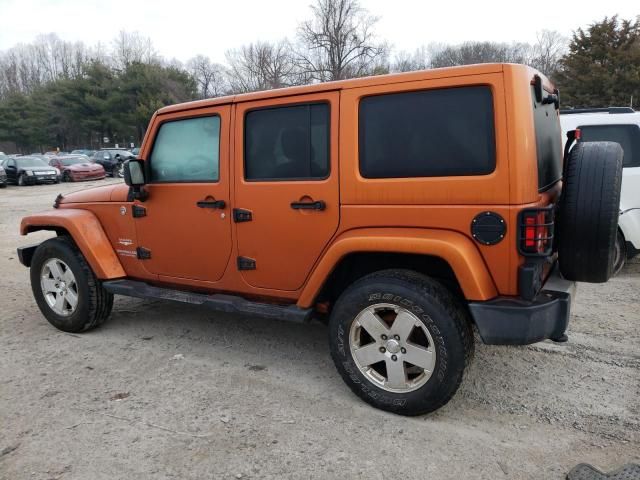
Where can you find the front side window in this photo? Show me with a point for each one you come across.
(628, 136)
(287, 143)
(429, 133)
(187, 151)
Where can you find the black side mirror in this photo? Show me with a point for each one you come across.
(134, 177)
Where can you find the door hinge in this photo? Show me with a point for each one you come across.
(143, 253)
(246, 263)
(241, 215)
(137, 211)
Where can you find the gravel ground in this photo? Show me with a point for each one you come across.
(171, 391)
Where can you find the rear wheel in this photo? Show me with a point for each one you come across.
(620, 253)
(588, 211)
(401, 341)
(66, 289)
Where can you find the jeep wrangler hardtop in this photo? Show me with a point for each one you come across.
(404, 209)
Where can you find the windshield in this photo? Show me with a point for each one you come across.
(30, 162)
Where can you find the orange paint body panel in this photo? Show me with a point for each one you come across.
(88, 234)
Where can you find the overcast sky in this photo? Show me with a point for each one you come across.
(183, 28)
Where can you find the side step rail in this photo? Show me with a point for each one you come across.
(217, 301)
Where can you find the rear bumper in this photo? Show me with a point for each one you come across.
(514, 321)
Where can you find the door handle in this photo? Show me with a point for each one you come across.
(211, 204)
(317, 205)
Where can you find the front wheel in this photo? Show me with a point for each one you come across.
(21, 181)
(65, 288)
(66, 177)
(118, 170)
(401, 341)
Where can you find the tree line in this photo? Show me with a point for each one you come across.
(55, 93)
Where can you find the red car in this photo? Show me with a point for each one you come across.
(75, 168)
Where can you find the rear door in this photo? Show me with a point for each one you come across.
(186, 228)
(286, 161)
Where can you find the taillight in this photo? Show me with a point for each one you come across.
(535, 231)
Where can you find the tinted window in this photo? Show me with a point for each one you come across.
(187, 151)
(428, 133)
(287, 143)
(548, 143)
(628, 136)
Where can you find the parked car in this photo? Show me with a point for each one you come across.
(75, 168)
(112, 160)
(3, 175)
(135, 151)
(621, 125)
(29, 171)
(429, 213)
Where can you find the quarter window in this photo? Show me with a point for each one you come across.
(628, 136)
(430, 133)
(187, 151)
(287, 143)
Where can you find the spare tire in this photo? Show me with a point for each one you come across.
(588, 211)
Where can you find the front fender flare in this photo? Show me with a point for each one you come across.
(456, 249)
(86, 231)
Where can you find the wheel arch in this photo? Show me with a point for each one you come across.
(84, 228)
(446, 255)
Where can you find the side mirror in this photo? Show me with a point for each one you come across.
(134, 177)
(134, 173)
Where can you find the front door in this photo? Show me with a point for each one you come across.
(186, 229)
(286, 160)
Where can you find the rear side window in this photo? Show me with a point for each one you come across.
(628, 136)
(548, 143)
(430, 133)
(187, 151)
(287, 143)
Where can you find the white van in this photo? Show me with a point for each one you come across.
(621, 125)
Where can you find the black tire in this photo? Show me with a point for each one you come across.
(118, 170)
(620, 253)
(588, 211)
(432, 304)
(66, 177)
(3, 185)
(21, 182)
(94, 302)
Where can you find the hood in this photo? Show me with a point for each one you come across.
(83, 167)
(108, 193)
(39, 168)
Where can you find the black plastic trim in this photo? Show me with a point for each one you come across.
(143, 253)
(219, 302)
(246, 263)
(241, 215)
(138, 211)
(25, 254)
(513, 321)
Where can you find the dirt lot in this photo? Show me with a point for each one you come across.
(171, 391)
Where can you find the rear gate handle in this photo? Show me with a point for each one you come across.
(317, 205)
(211, 204)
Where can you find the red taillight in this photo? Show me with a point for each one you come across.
(578, 134)
(536, 232)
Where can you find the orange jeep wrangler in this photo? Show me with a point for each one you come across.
(406, 209)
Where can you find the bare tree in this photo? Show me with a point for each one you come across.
(210, 77)
(409, 62)
(338, 41)
(480, 52)
(549, 48)
(131, 47)
(262, 66)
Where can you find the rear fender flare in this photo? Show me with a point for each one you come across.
(455, 248)
(87, 232)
